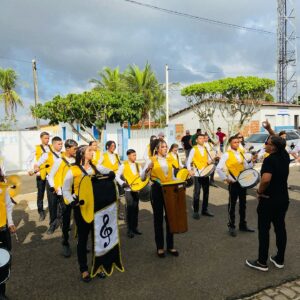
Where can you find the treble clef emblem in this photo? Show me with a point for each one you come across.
(105, 231)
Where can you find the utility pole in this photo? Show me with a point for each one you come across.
(167, 95)
(35, 89)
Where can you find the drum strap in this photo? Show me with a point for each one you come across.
(66, 162)
(232, 175)
(137, 168)
(83, 170)
(118, 159)
(57, 156)
(43, 149)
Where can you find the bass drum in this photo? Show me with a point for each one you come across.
(248, 178)
(4, 265)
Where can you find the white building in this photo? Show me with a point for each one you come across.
(281, 116)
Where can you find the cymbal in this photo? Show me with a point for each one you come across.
(14, 183)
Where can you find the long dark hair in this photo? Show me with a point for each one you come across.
(155, 145)
(173, 146)
(2, 177)
(80, 160)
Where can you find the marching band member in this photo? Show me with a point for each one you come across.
(128, 172)
(34, 156)
(147, 154)
(217, 154)
(48, 159)
(234, 161)
(55, 180)
(174, 158)
(7, 226)
(70, 189)
(97, 153)
(198, 159)
(160, 170)
(111, 160)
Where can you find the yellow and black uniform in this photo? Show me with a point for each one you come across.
(161, 172)
(131, 173)
(199, 159)
(55, 179)
(110, 161)
(70, 191)
(234, 162)
(49, 159)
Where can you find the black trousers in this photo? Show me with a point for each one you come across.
(53, 200)
(83, 230)
(201, 182)
(236, 192)
(132, 209)
(270, 211)
(41, 186)
(157, 201)
(5, 242)
(66, 223)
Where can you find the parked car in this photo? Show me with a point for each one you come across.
(257, 140)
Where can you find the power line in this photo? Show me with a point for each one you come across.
(202, 19)
(15, 59)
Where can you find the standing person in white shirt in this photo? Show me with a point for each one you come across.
(34, 156)
(197, 161)
(49, 158)
(55, 179)
(129, 172)
(231, 164)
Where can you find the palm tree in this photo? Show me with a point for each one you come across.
(10, 98)
(145, 82)
(111, 79)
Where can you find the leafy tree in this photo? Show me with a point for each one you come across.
(110, 79)
(237, 99)
(8, 95)
(92, 108)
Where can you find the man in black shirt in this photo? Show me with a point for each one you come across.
(273, 203)
(185, 141)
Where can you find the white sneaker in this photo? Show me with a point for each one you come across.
(276, 264)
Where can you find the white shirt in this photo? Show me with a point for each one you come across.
(190, 160)
(68, 181)
(163, 164)
(2, 167)
(121, 172)
(31, 158)
(54, 170)
(45, 156)
(221, 167)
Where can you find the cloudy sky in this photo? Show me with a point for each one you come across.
(73, 39)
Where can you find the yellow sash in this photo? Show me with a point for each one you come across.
(174, 161)
(158, 173)
(233, 165)
(96, 158)
(3, 216)
(107, 163)
(128, 174)
(38, 153)
(199, 160)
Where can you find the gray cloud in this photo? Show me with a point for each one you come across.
(73, 39)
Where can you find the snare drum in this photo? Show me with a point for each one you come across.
(248, 178)
(4, 265)
(207, 171)
(175, 204)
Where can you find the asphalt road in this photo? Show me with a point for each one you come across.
(210, 265)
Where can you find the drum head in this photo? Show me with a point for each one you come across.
(86, 194)
(4, 257)
(248, 178)
(183, 174)
(173, 182)
(138, 184)
(207, 170)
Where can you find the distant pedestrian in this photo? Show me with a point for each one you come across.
(185, 141)
(221, 136)
(273, 202)
(194, 137)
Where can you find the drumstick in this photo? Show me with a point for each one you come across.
(46, 166)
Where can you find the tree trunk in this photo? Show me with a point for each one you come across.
(78, 133)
